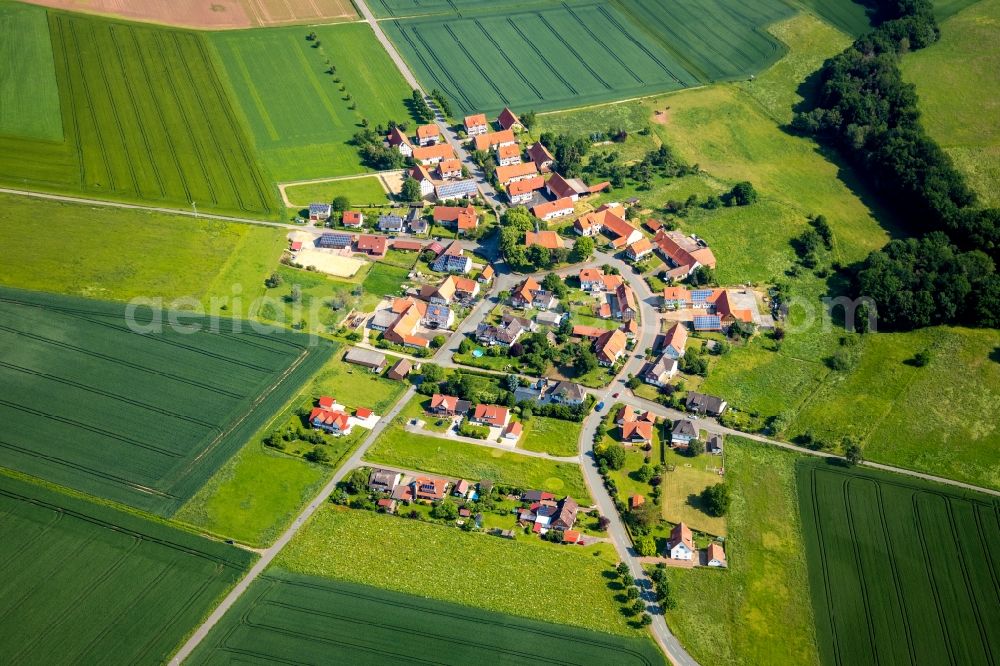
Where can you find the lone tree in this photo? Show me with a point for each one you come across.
(341, 203)
(852, 452)
(716, 499)
(411, 190)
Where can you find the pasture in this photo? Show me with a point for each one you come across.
(359, 191)
(325, 301)
(479, 570)
(958, 87)
(553, 436)
(117, 254)
(145, 118)
(291, 617)
(382, 280)
(29, 93)
(437, 455)
(301, 116)
(901, 570)
(97, 399)
(758, 610)
(539, 57)
(90, 583)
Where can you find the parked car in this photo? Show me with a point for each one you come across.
(599, 406)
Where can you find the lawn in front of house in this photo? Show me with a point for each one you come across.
(682, 485)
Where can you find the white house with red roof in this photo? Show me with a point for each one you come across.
(428, 135)
(681, 544)
(491, 415)
(352, 218)
(398, 140)
(508, 120)
(476, 124)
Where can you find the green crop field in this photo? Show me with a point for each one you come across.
(480, 570)
(300, 118)
(91, 584)
(145, 118)
(286, 617)
(29, 93)
(901, 571)
(455, 458)
(958, 84)
(98, 400)
(117, 254)
(541, 57)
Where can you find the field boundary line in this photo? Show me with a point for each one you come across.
(623, 101)
(13, 556)
(821, 540)
(929, 572)
(896, 583)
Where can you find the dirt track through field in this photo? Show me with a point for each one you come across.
(213, 14)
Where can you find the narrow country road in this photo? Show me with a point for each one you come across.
(268, 555)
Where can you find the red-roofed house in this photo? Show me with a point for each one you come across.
(637, 432)
(559, 187)
(352, 218)
(640, 249)
(513, 431)
(541, 156)
(433, 154)
(610, 346)
(590, 332)
(524, 294)
(400, 142)
(492, 415)
(507, 155)
(675, 341)
(723, 307)
(476, 124)
(492, 140)
(509, 121)
(448, 169)
(333, 422)
(522, 191)
(682, 252)
(681, 544)
(428, 135)
(326, 402)
(715, 555)
(373, 245)
(551, 210)
(591, 279)
(447, 405)
(625, 302)
(676, 298)
(506, 175)
(427, 488)
(550, 240)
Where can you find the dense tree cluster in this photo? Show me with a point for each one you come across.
(370, 143)
(864, 107)
(655, 163)
(513, 225)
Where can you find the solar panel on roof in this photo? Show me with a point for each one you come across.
(700, 294)
(707, 322)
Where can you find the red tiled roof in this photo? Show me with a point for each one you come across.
(676, 337)
(413, 246)
(547, 239)
(362, 412)
(441, 150)
(507, 173)
(475, 120)
(351, 217)
(490, 139)
(492, 414)
(505, 152)
(326, 402)
(428, 131)
(451, 213)
(637, 429)
(507, 119)
(372, 244)
(582, 331)
(681, 533)
(543, 209)
(525, 186)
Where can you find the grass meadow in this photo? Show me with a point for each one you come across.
(758, 610)
(553, 436)
(145, 118)
(900, 570)
(499, 575)
(360, 192)
(90, 583)
(29, 92)
(291, 617)
(448, 457)
(254, 496)
(142, 419)
(959, 87)
(298, 114)
(115, 254)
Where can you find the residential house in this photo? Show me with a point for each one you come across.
(620, 232)
(438, 315)
(331, 421)
(429, 155)
(429, 488)
(635, 501)
(588, 332)
(403, 330)
(630, 328)
(625, 306)
(587, 225)
(660, 372)
(541, 156)
(566, 393)
(401, 370)
(448, 405)
(523, 191)
(334, 241)
(523, 294)
(505, 333)
(449, 169)
(428, 135)
(420, 174)
(610, 347)
(550, 240)
(721, 304)
(552, 210)
(715, 555)
(453, 260)
(705, 404)
(513, 431)
(509, 121)
(492, 140)
(681, 434)
(390, 223)
(461, 488)
(374, 361)
(319, 212)
(573, 188)
(491, 415)
(476, 124)
(591, 279)
(505, 175)
(543, 299)
(682, 253)
(675, 341)
(383, 480)
(714, 445)
(352, 218)
(455, 288)
(572, 536)
(508, 155)
(639, 250)
(637, 432)
(681, 544)
(372, 245)
(549, 318)
(407, 245)
(398, 140)
(676, 298)
(386, 505)
(461, 219)
(565, 516)
(403, 493)
(456, 189)
(487, 274)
